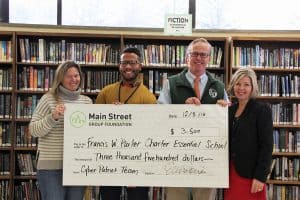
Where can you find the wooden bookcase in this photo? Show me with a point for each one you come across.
(34, 58)
(276, 62)
(100, 72)
(7, 56)
(37, 57)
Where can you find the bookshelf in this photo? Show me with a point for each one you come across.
(276, 62)
(25, 74)
(37, 57)
(28, 73)
(6, 118)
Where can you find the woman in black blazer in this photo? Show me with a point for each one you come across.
(251, 139)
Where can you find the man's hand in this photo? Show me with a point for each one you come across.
(193, 100)
(117, 103)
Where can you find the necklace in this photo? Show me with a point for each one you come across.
(126, 100)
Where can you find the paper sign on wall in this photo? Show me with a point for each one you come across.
(178, 24)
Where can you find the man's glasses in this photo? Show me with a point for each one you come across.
(129, 62)
(201, 54)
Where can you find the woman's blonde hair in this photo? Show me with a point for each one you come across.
(238, 75)
(59, 76)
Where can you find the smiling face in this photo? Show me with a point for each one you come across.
(243, 89)
(198, 58)
(71, 80)
(130, 67)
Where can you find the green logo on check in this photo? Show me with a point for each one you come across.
(77, 119)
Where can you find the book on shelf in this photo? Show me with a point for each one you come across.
(285, 113)
(286, 169)
(215, 57)
(27, 190)
(164, 55)
(26, 106)
(5, 163)
(271, 168)
(286, 192)
(26, 164)
(286, 140)
(43, 51)
(259, 57)
(27, 50)
(5, 78)
(4, 189)
(1, 79)
(5, 51)
(5, 134)
(24, 138)
(5, 106)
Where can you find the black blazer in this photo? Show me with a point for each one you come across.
(251, 140)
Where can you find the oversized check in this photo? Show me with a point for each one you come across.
(146, 145)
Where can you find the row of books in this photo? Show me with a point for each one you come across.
(26, 105)
(4, 189)
(283, 192)
(5, 106)
(285, 168)
(279, 85)
(259, 57)
(24, 138)
(285, 113)
(286, 140)
(4, 163)
(43, 51)
(6, 78)
(94, 81)
(32, 78)
(5, 51)
(26, 164)
(155, 193)
(155, 80)
(5, 134)
(35, 78)
(165, 55)
(27, 190)
(92, 193)
(40, 79)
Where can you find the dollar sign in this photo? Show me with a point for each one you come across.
(172, 131)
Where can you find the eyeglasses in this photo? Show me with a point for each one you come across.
(129, 62)
(201, 54)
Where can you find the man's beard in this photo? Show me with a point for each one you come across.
(130, 79)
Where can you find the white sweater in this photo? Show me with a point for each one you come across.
(50, 133)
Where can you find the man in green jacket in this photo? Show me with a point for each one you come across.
(193, 85)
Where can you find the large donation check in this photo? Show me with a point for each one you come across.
(146, 145)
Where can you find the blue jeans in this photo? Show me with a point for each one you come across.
(50, 185)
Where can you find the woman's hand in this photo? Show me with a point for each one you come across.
(58, 111)
(257, 186)
(223, 103)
